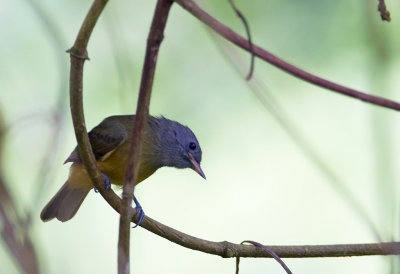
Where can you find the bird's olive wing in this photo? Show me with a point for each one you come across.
(104, 138)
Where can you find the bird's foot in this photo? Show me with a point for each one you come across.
(107, 183)
(139, 212)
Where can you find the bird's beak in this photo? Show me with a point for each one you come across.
(196, 166)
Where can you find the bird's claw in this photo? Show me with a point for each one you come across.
(139, 212)
(107, 183)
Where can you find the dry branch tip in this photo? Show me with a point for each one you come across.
(385, 14)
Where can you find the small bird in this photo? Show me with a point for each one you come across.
(165, 143)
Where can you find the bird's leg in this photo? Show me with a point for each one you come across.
(139, 211)
(107, 183)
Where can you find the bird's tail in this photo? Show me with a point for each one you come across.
(65, 203)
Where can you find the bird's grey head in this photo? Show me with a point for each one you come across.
(179, 146)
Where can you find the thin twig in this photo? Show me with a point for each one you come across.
(248, 33)
(154, 40)
(268, 250)
(240, 41)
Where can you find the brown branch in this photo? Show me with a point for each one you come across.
(385, 14)
(261, 53)
(78, 55)
(154, 40)
(230, 250)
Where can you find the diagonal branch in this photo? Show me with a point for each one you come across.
(154, 40)
(261, 53)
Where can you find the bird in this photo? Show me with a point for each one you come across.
(165, 143)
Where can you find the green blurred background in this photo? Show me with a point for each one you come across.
(261, 184)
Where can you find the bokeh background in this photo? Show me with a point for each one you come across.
(287, 163)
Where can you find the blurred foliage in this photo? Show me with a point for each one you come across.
(259, 184)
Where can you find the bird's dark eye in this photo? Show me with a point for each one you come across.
(192, 146)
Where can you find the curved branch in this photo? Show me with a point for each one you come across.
(227, 249)
(224, 249)
(230, 250)
(78, 55)
(241, 42)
